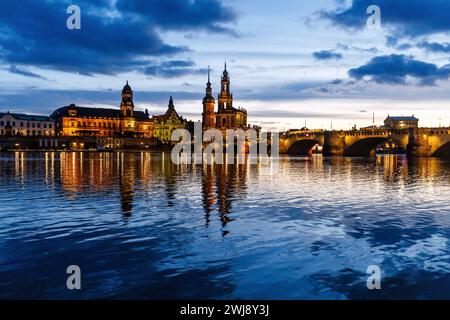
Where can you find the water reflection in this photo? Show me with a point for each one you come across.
(143, 227)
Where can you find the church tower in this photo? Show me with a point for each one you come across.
(127, 105)
(208, 106)
(225, 97)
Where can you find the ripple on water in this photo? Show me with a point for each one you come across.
(140, 227)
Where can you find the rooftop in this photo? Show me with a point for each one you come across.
(95, 112)
(26, 117)
(402, 118)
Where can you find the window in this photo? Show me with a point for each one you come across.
(21, 124)
(38, 125)
(28, 124)
(8, 123)
(2, 123)
(50, 125)
(45, 126)
(14, 124)
(33, 125)
(2, 131)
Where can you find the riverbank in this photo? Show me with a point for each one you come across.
(104, 144)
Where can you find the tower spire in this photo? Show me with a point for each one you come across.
(209, 75)
(225, 72)
(208, 84)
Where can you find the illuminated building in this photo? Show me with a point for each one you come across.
(75, 121)
(401, 122)
(165, 124)
(227, 116)
(14, 124)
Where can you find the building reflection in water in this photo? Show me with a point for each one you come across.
(220, 186)
(169, 172)
(401, 168)
(208, 192)
(99, 173)
(127, 181)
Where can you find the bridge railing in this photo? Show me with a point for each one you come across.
(364, 132)
(432, 131)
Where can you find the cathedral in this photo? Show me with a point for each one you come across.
(227, 116)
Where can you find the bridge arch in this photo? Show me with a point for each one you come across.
(366, 147)
(302, 147)
(443, 151)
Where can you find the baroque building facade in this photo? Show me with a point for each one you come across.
(24, 125)
(165, 124)
(75, 121)
(227, 116)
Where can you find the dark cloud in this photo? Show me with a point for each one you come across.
(34, 33)
(435, 47)
(336, 82)
(394, 42)
(209, 15)
(173, 69)
(300, 86)
(394, 69)
(23, 72)
(327, 55)
(406, 18)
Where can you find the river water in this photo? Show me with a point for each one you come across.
(140, 227)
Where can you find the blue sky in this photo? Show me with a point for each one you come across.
(290, 61)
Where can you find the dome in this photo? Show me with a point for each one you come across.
(225, 72)
(127, 88)
(209, 99)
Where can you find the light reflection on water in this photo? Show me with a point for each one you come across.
(141, 227)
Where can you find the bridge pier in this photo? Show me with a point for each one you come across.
(334, 144)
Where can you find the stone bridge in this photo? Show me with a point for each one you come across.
(362, 143)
